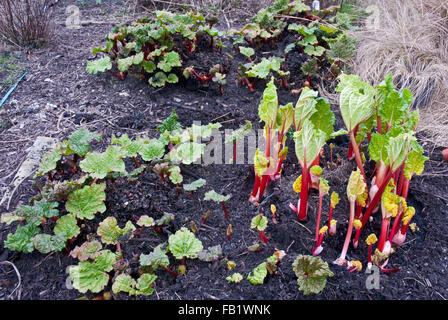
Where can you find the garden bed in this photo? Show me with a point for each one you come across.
(58, 96)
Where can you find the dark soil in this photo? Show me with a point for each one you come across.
(58, 96)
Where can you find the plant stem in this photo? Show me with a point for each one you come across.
(304, 195)
(357, 154)
(330, 216)
(234, 152)
(349, 231)
(225, 210)
(384, 229)
(318, 217)
(175, 274)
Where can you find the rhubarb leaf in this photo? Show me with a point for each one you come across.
(79, 141)
(86, 202)
(88, 250)
(184, 244)
(308, 142)
(240, 133)
(356, 100)
(312, 273)
(398, 150)
(305, 107)
(124, 283)
(49, 161)
(257, 275)
(187, 152)
(99, 65)
(259, 222)
(195, 185)
(262, 69)
(323, 118)
(145, 284)
(267, 110)
(212, 195)
(175, 175)
(21, 240)
(166, 218)
(155, 149)
(157, 258)
(246, 51)
(46, 243)
(356, 188)
(34, 214)
(111, 233)
(415, 164)
(67, 227)
(130, 148)
(169, 60)
(146, 221)
(235, 278)
(94, 275)
(100, 164)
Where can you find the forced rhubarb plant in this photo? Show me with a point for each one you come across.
(260, 222)
(312, 273)
(356, 193)
(212, 195)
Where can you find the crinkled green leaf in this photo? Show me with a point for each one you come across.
(125, 283)
(235, 278)
(187, 152)
(305, 107)
(34, 214)
(259, 222)
(268, 108)
(100, 164)
(157, 258)
(247, 51)
(398, 149)
(21, 240)
(184, 244)
(175, 175)
(309, 68)
(145, 221)
(415, 164)
(86, 202)
(111, 233)
(46, 243)
(195, 185)
(170, 124)
(49, 161)
(262, 69)
(166, 218)
(99, 65)
(312, 273)
(169, 60)
(257, 275)
(67, 226)
(145, 284)
(94, 275)
(323, 118)
(79, 141)
(88, 250)
(130, 148)
(154, 149)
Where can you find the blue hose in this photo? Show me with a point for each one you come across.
(12, 89)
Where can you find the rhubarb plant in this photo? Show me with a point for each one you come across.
(259, 223)
(183, 244)
(143, 286)
(212, 195)
(259, 273)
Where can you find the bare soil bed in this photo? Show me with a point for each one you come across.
(58, 96)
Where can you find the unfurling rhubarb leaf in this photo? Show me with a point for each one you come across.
(415, 163)
(211, 254)
(157, 258)
(257, 275)
(170, 124)
(356, 102)
(130, 148)
(67, 227)
(146, 221)
(334, 199)
(143, 286)
(99, 65)
(214, 196)
(94, 275)
(175, 175)
(259, 222)
(247, 51)
(312, 273)
(88, 250)
(34, 214)
(86, 202)
(398, 150)
(309, 142)
(235, 278)
(357, 188)
(100, 164)
(124, 64)
(195, 185)
(166, 218)
(111, 233)
(323, 118)
(187, 152)
(21, 240)
(154, 149)
(184, 244)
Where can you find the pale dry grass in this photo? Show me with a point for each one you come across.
(410, 39)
